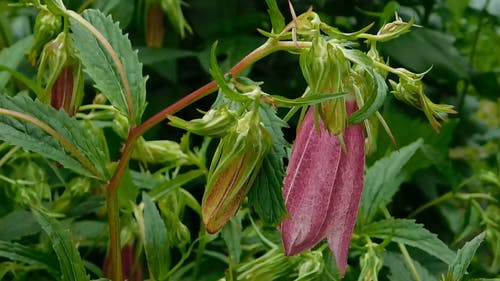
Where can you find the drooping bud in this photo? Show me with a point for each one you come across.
(215, 123)
(47, 26)
(154, 26)
(234, 167)
(322, 188)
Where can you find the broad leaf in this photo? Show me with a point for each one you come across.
(412, 234)
(383, 179)
(464, 257)
(155, 240)
(99, 65)
(265, 195)
(19, 253)
(11, 229)
(11, 57)
(70, 262)
(80, 152)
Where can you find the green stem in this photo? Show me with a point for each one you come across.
(113, 211)
(404, 251)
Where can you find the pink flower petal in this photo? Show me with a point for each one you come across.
(347, 189)
(308, 186)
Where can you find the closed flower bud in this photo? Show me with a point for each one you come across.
(322, 188)
(47, 26)
(233, 169)
(154, 26)
(215, 123)
(159, 151)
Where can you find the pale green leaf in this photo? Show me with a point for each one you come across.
(265, 195)
(27, 255)
(10, 229)
(28, 136)
(231, 233)
(399, 268)
(155, 240)
(70, 262)
(412, 234)
(98, 63)
(384, 178)
(464, 256)
(11, 57)
(277, 19)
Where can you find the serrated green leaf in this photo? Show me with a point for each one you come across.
(70, 262)
(464, 256)
(231, 233)
(412, 234)
(31, 137)
(277, 19)
(27, 255)
(99, 65)
(266, 196)
(155, 240)
(11, 57)
(383, 179)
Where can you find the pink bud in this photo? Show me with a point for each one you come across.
(322, 188)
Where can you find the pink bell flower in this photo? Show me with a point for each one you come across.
(322, 188)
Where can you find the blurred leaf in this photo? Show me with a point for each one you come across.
(486, 83)
(31, 137)
(399, 269)
(464, 256)
(422, 48)
(127, 192)
(265, 195)
(167, 185)
(122, 11)
(27, 255)
(11, 229)
(412, 234)
(155, 240)
(11, 57)
(277, 19)
(150, 56)
(384, 178)
(70, 262)
(99, 65)
(231, 233)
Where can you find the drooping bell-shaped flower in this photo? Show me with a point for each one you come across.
(322, 187)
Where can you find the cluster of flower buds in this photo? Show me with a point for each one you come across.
(59, 72)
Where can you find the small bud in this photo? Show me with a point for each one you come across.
(233, 169)
(215, 123)
(159, 151)
(394, 29)
(154, 26)
(47, 26)
(121, 125)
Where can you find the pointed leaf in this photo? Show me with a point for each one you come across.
(399, 269)
(231, 233)
(383, 179)
(374, 101)
(70, 261)
(266, 196)
(277, 19)
(27, 255)
(412, 234)
(99, 65)
(155, 240)
(464, 257)
(11, 57)
(91, 160)
(307, 100)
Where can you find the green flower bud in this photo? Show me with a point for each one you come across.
(215, 123)
(234, 167)
(121, 125)
(159, 151)
(410, 90)
(47, 26)
(394, 29)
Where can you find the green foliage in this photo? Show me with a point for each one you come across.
(70, 262)
(464, 257)
(70, 144)
(98, 63)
